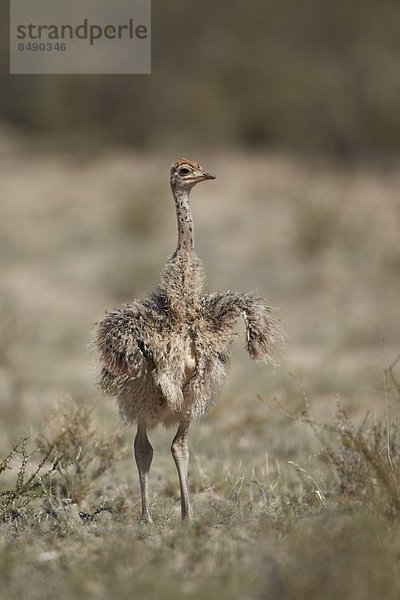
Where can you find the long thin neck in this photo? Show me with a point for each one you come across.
(184, 218)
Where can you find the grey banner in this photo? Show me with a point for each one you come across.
(80, 36)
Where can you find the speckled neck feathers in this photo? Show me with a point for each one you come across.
(184, 218)
(183, 277)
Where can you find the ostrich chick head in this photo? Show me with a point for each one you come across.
(186, 173)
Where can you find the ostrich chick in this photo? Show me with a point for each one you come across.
(165, 357)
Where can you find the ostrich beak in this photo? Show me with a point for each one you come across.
(200, 176)
(207, 176)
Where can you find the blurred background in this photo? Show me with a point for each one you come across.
(312, 75)
(295, 107)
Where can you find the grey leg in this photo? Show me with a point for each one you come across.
(180, 452)
(144, 456)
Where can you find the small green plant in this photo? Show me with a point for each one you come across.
(27, 486)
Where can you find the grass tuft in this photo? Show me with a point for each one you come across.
(83, 454)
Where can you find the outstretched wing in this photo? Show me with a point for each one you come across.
(263, 333)
(122, 339)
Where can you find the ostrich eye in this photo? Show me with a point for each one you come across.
(184, 171)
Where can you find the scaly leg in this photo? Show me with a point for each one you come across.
(143, 455)
(180, 452)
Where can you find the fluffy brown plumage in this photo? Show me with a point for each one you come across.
(165, 357)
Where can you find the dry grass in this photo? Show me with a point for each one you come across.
(298, 502)
(80, 453)
(280, 529)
